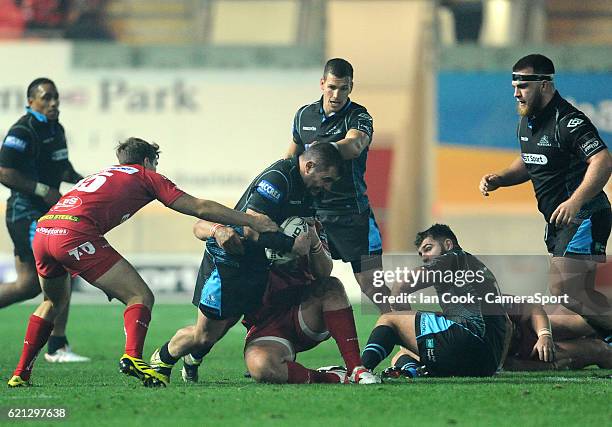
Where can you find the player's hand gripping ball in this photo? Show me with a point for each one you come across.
(292, 226)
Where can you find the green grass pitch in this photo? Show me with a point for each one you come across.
(96, 394)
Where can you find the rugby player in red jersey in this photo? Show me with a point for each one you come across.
(70, 239)
(302, 307)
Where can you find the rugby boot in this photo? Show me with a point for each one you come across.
(140, 369)
(159, 366)
(190, 369)
(361, 375)
(17, 381)
(340, 371)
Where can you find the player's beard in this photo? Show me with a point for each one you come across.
(526, 110)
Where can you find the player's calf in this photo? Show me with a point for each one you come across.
(380, 344)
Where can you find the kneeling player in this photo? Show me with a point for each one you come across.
(302, 307)
(465, 340)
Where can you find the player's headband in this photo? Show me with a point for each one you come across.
(531, 77)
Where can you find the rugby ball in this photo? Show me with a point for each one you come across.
(292, 226)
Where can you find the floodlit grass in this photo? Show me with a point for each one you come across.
(96, 394)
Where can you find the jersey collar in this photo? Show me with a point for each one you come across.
(38, 116)
(342, 111)
(541, 116)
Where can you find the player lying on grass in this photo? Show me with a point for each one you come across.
(302, 307)
(576, 343)
(468, 338)
(70, 239)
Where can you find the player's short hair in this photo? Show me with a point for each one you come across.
(32, 87)
(325, 155)
(539, 63)
(438, 232)
(338, 67)
(134, 151)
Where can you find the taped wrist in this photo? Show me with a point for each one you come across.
(276, 240)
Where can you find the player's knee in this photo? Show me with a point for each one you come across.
(556, 288)
(333, 284)
(148, 299)
(387, 319)
(28, 287)
(263, 367)
(56, 306)
(333, 288)
(29, 291)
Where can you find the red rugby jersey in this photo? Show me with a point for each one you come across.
(102, 201)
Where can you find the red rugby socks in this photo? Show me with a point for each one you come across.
(37, 334)
(341, 326)
(297, 374)
(136, 320)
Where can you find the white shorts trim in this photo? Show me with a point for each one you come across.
(315, 336)
(279, 340)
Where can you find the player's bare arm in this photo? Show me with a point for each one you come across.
(213, 211)
(319, 258)
(353, 145)
(15, 180)
(227, 238)
(515, 174)
(595, 179)
(544, 347)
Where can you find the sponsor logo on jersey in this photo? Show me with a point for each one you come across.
(85, 248)
(534, 159)
(124, 169)
(590, 146)
(309, 128)
(269, 191)
(544, 142)
(574, 122)
(15, 143)
(50, 217)
(51, 231)
(524, 138)
(58, 155)
(68, 203)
